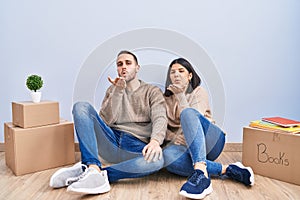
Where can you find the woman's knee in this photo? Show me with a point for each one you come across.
(190, 114)
(187, 112)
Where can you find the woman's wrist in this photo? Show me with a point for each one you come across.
(182, 101)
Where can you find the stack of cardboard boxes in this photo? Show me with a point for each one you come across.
(37, 139)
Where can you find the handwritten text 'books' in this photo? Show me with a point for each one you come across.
(273, 127)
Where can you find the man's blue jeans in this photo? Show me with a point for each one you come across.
(205, 142)
(96, 138)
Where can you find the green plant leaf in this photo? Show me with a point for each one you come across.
(34, 82)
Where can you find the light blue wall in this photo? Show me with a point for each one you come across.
(254, 45)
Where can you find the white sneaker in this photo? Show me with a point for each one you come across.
(91, 182)
(66, 176)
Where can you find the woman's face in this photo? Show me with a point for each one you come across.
(179, 75)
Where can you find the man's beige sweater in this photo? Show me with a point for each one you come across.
(141, 113)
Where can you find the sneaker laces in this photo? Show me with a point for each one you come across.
(196, 177)
(71, 180)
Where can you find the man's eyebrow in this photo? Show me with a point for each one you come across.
(124, 60)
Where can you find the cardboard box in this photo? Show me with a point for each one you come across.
(35, 149)
(29, 114)
(272, 154)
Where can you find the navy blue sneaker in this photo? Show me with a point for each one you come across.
(197, 186)
(239, 172)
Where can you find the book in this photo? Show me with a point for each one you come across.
(281, 121)
(274, 127)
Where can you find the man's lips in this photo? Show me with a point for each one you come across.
(123, 73)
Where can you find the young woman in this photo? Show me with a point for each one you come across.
(193, 140)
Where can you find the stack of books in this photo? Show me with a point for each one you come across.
(278, 124)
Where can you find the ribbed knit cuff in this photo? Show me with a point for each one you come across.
(182, 102)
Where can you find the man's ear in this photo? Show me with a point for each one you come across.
(137, 68)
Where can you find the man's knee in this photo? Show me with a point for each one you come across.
(81, 107)
(149, 166)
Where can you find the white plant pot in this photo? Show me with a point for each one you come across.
(36, 96)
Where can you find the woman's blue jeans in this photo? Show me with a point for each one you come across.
(205, 142)
(96, 138)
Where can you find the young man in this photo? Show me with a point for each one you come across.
(128, 130)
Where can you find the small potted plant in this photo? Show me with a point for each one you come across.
(34, 83)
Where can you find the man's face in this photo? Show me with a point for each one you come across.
(127, 67)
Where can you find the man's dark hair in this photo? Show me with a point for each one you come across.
(130, 53)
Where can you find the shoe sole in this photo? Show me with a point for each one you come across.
(240, 165)
(99, 190)
(58, 172)
(207, 191)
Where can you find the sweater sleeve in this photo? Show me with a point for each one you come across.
(158, 115)
(198, 100)
(182, 101)
(111, 105)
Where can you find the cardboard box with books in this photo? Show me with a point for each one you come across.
(272, 152)
(39, 148)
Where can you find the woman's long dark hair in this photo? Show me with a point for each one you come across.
(195, 81)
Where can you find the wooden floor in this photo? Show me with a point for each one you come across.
(161, 185)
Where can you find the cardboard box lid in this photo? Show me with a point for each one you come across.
(30, 103)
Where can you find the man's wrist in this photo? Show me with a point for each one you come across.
(155, 141)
